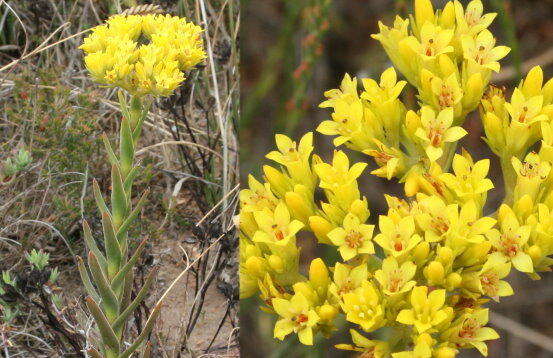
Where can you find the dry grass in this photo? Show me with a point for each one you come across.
(50, 108)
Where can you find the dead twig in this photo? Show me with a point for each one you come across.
(521, 331)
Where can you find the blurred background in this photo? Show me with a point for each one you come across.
(292, 51)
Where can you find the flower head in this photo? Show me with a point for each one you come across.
(469, 331)
(363, 307)
(143, 54)
(482, 50)
(347, 279)
(395, 279)
(511, 240)
(297, 316)
(433, 41)
(436, 130)
(276, 227)
(426, 309)
(472, 20)
(397, 237)
(353, 238)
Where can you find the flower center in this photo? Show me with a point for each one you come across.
(354, 239)
(489, 283)
(440, 225)
(469, 328)
(510, 246)
(395, 281)
(346, 287)
(279, 235)
(435, 135)
(472, 18)
(481, 55)
(523, 114)
(300, 320)
(398, 246)
(446, 97)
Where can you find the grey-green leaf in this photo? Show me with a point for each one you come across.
(132, 216)
(145, 332)
(113, 249)
(108, 336)
(118, 197)
(91, 244)
(120, 277)
(120, 321)
(109, 300)
(86, 280)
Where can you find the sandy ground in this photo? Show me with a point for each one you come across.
(170, 256)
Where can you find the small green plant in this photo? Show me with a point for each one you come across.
(28, 291)
(15, 165)
(38, 259)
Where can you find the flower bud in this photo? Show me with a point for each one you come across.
(434, 273)
(298, 206)
(327, 312)
(475, 253)
(320, 227)
(445, 255)
(426, 339)
(535, 253)
(256, 266)
(524, 206)
(533, 82)
(277, 180)
(423, 12)
(276, 263)
(318, 274)
(305, 289)
(445, 352)
(473, 90)
(420, 253)
(453, 280)
(360, 209)
(447, 17)
(411, 186)
(247, 223)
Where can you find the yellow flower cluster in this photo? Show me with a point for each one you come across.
(418, 281)
(143, 54)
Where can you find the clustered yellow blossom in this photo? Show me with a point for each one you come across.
(143, 54)
(416, 284)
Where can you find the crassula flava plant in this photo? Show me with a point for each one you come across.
(145, 56)
(416, 284)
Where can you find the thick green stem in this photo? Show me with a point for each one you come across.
(107, 273)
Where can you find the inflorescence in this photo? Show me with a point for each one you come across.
(143, 54)
(416, 284)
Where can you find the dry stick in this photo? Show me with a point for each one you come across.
(186, 270)
(510, 72)
(178, 142)
(40, 49)
(22, 25)
(216, 205)
(521, 331)
(221, 120)
(49, 226)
